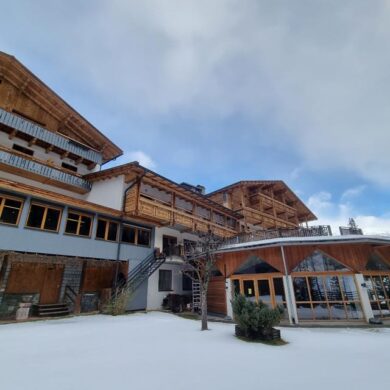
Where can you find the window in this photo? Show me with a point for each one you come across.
(44, 217)
(129, 234)
(327, 297)
(10, 210)
(22, 149)
(69, 167)
(165, 280)
(143, 237)
(135, 235)
(187, 283)
(78, 224)
(169, 245)
(107, 230)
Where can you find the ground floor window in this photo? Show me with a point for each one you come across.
(10, 210)
(44, 217)
(268, 289)
(327, 297)
(165, 280)
(78, 224)
(378, 288)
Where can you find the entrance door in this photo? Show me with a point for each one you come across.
(264, 292)
(378, 288)
(267, 288)
(52, 284)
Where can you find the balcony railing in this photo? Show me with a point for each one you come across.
(312, 231)
(38, 132)
(50, 173)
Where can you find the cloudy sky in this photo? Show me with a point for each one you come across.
(212, 92)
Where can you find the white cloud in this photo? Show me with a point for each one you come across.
(352, 192)
(337, 213)
(136, 155)
(318, 71)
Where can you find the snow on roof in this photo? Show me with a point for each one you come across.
(306, 240)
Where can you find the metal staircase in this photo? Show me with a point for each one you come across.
(140, 273)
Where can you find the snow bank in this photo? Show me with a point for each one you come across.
(161, 351)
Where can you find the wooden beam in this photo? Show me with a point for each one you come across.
(32, 141)
(12, 134)
(49, 148)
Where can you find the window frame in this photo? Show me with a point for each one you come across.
(46, 207)
(150, 237)
(165, 250)
(108, 221)
(2, 205)
(80, 215)
(162, 288)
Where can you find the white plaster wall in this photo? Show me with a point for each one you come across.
(155, 297)
(40, 153)
(165, 231)
(229, 296)
(173, 263)
(108, 192)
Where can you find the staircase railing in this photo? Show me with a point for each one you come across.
(70, 296)
(140, 273)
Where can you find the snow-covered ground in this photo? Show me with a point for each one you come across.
(161, 351)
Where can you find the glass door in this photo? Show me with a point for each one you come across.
(378, 288)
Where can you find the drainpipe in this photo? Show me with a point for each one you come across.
(289, 299)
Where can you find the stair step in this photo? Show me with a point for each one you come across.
(54, 313)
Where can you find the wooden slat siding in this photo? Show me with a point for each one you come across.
(234, 259)
(384, 252)
(216, 298)
(26, 278)
(98, 277)
(131, 200)
(50, 291)
(353, 256)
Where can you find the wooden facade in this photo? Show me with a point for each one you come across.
(369, 258)
(24, 94)
(158, 200)
(355, 256)
(264, 204)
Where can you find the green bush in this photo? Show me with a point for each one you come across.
(254, 317)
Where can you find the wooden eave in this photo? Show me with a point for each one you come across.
(74, 125)
(304, 213)
(134, 170)
(19, 188)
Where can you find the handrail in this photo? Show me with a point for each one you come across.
(27, 164)
(312, 231)
(61, 141)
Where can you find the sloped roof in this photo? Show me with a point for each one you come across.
(76, 126)
(280, 183)
(134, 169)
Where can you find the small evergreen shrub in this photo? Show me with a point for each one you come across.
(255, 320)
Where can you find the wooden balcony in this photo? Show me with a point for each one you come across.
(38, 133)
(265, 218)
(168, 215)
(32, 169)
